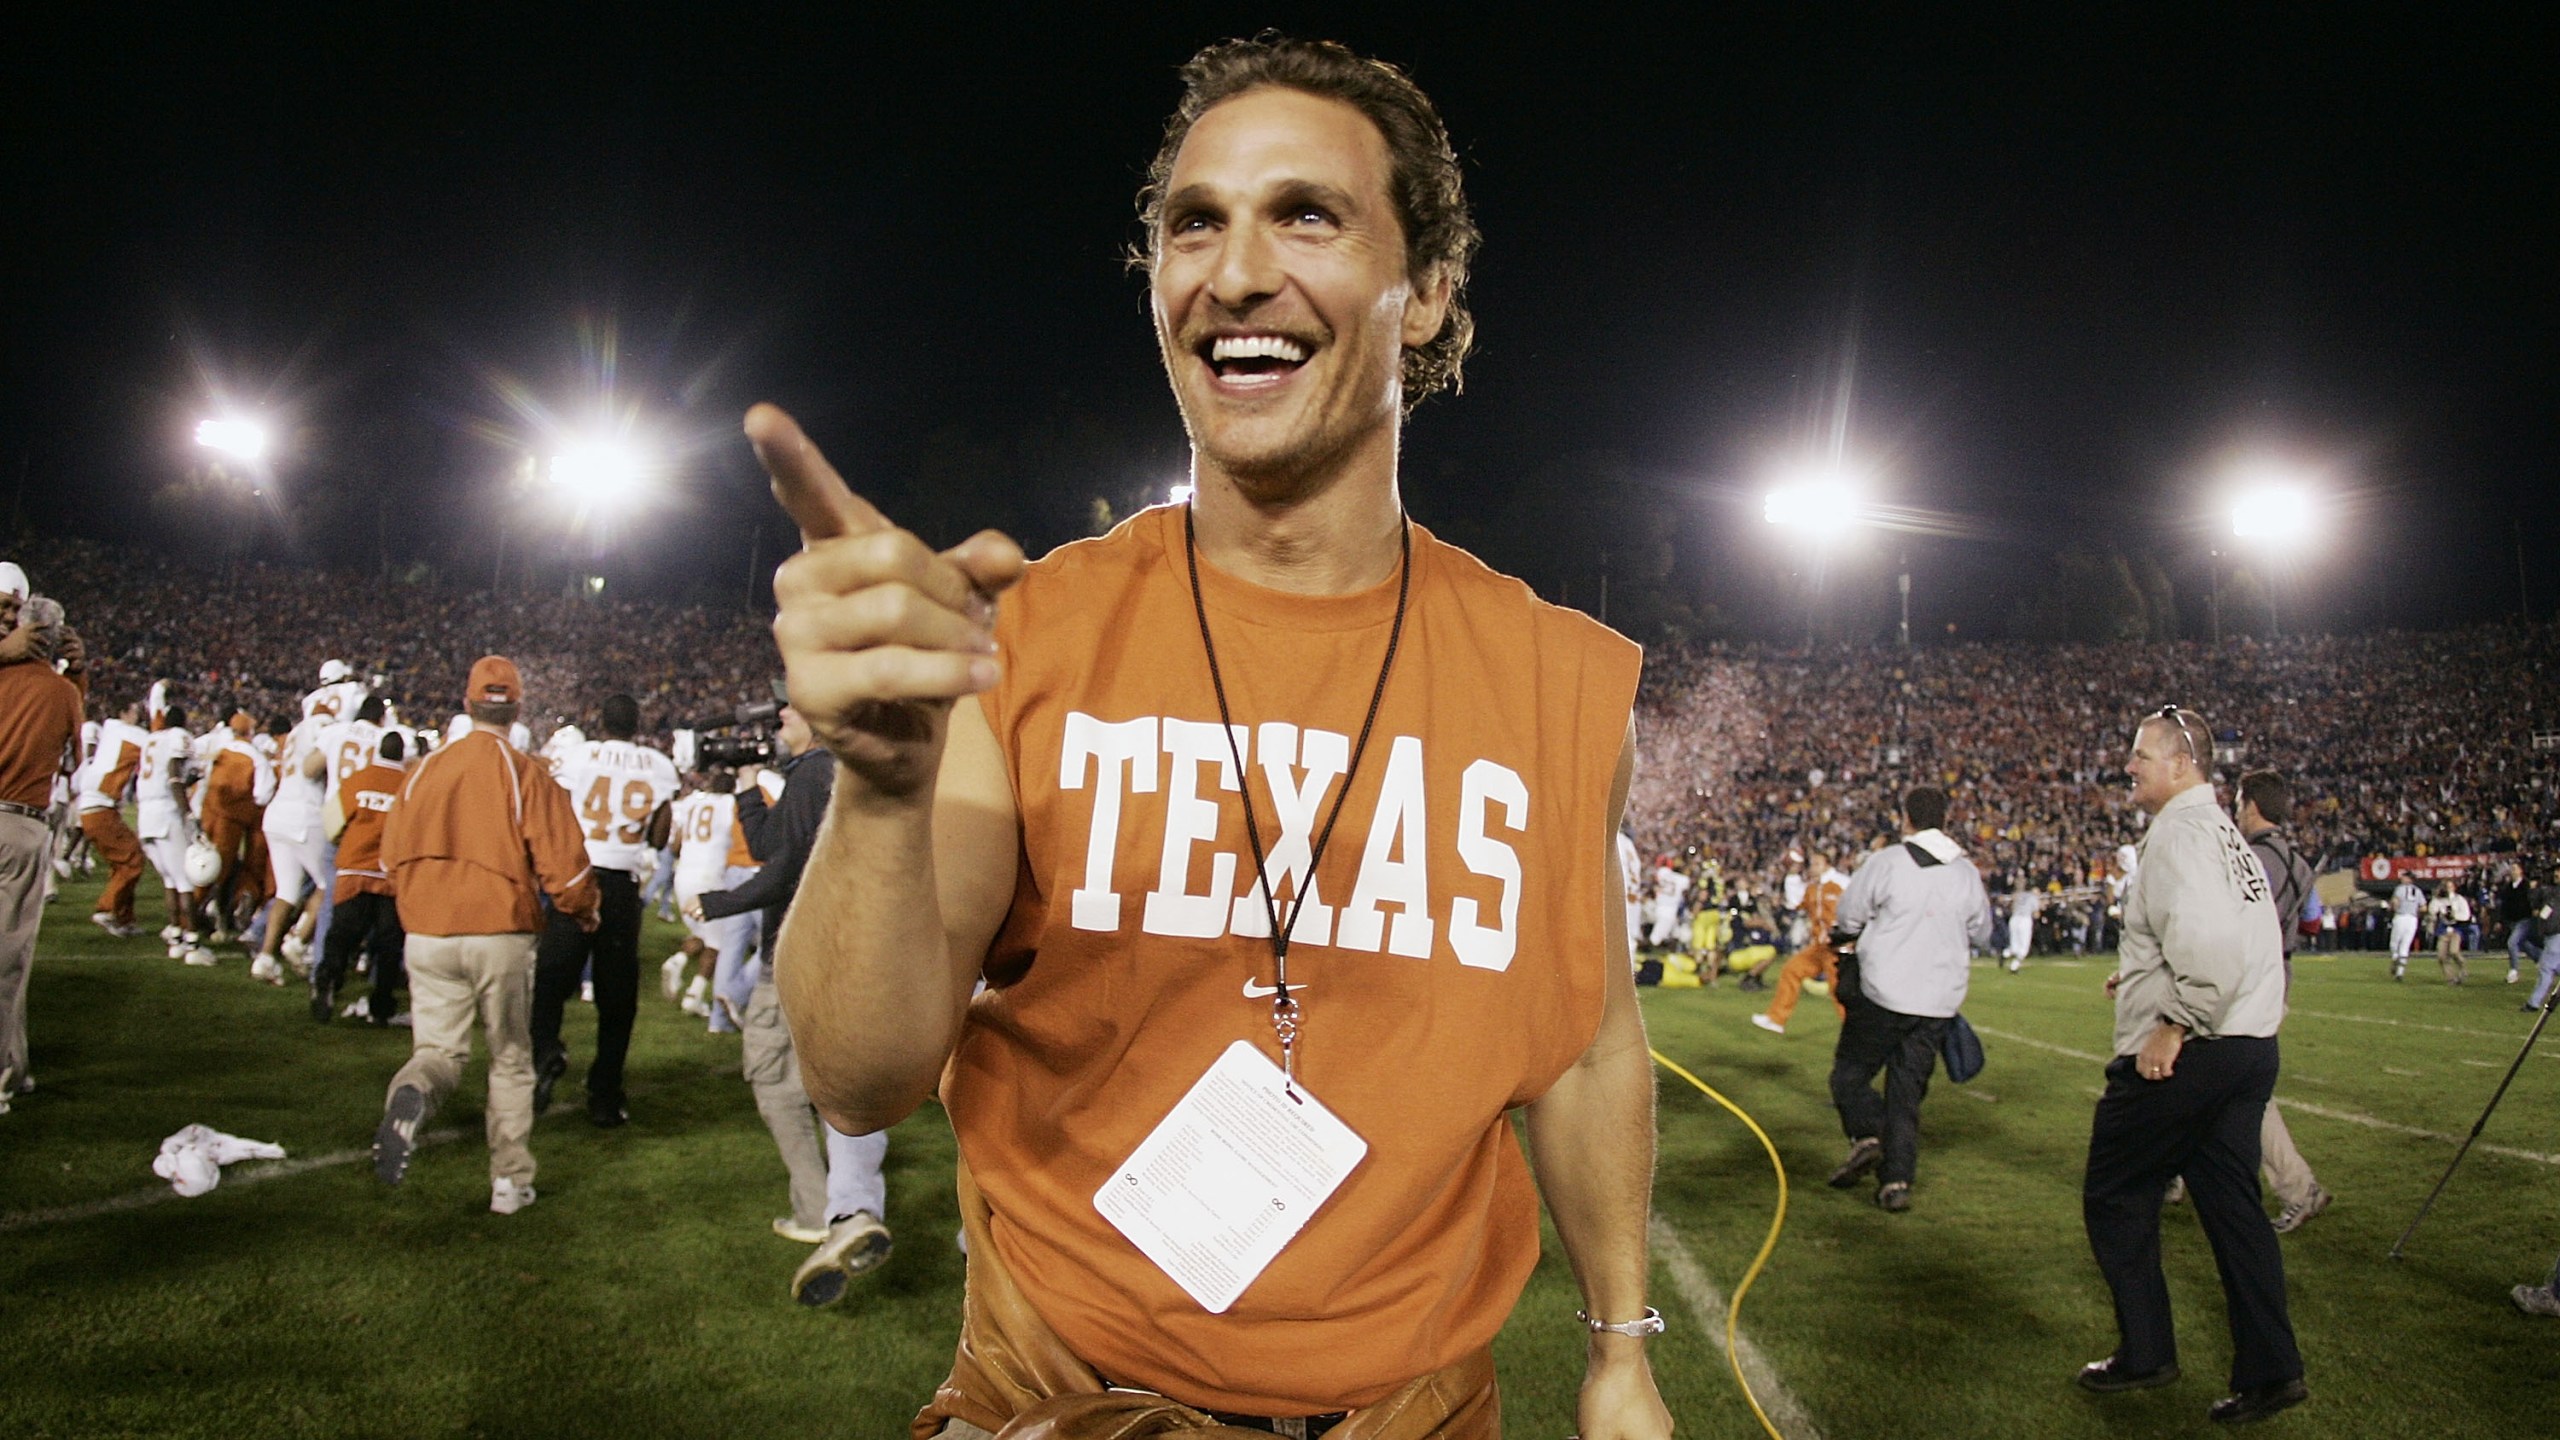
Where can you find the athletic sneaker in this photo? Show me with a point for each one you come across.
(201, 956)
(2536, 1300)
(170, 933)
(1764, 1022)
(1895, 1197)
(671, 975)
(790, 1229)
(2176, 1194)
(587, 992)
(2396, 969)
(2512, 977)
(398, 1134)
(1864, 1154)
(854, 1244)
(2014, 966)
(113, 926)
(265, 968)
(297, 951)
(399, 1021)
(2294, 1215)
(695, 1005)
(506, 1197)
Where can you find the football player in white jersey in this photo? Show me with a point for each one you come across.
(1631, 874)
(712, 854)
(623, 792)
(161, 802)
(298, 848)
(1669, 886)
(339, 694)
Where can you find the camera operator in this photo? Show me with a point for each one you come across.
(780, 837)
(40, 709)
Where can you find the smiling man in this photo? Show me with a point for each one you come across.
(1279, 832)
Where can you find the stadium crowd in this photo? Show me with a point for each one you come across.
(1749, 752)
(248, 641)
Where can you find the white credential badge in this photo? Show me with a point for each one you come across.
(1229, 1177)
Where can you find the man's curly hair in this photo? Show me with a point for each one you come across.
(1430, 196)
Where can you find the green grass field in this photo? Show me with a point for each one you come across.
(644, 1296)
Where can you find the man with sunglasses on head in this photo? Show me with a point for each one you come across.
(2198, 998)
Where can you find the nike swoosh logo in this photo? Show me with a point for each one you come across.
(1265, 992)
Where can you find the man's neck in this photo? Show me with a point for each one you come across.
(1333, 536)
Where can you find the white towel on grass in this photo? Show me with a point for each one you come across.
(192, 1160)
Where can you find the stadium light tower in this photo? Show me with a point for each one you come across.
(242, 440)
(2272, 513)
(1822, 505)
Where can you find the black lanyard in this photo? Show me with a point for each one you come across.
(1284, 1006)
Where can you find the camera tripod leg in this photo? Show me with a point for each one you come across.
(2478, 1125)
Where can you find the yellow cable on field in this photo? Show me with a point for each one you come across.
(1777, 1222)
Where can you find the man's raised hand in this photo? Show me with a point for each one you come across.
(878, 633)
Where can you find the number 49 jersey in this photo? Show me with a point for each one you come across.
(616, 786)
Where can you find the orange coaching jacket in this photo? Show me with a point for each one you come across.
(479, 829)
(367, 796)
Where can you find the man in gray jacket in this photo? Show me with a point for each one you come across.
(1906, 932)
(2198, 998)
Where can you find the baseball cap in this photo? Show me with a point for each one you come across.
(493, 682)
(13, 581)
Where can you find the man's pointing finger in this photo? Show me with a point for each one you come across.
(821, 504)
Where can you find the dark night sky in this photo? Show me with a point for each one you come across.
(2073, 265)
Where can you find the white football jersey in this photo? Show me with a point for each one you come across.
(107, 752)
(157, 811)
(294, 813)
(615, 786)
(706, 825)
(338, 699)
(346, 747)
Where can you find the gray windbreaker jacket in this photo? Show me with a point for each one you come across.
(2201, 947)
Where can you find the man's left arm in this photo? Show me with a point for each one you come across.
(1591, 1142)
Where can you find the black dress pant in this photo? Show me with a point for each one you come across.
(2201, 1122)
(613, 949)
(1905, 1048)
(369, 924)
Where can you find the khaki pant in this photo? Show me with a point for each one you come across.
(773, 1072)
(26, 857)
(454, 979)
(2288, 1174)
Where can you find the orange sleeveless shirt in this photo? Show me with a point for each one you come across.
(1450, 960)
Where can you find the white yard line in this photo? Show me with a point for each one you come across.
(2414, 1025)
(232, 1179)
(1707, 1308)
(2291, 1104)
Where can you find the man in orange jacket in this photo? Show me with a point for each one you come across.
(480, 832)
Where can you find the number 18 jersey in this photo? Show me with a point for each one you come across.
(615, 786)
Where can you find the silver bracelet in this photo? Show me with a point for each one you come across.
(1649, 1324)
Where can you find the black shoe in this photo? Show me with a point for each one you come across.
(324, 1002)
(606, 1115)
(547, 1070)
(2247, 1407)
(1752, 982)
(398, 1134)
(1863, 1157)
(1895, 1197)
(2103, 1377)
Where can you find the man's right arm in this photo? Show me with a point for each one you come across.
(886, 645)
(885, 940)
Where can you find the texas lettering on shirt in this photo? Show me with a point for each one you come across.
(1390, 908)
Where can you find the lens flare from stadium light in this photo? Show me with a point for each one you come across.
(243, 440)
(1822, 506)
(2279, 512)
(599, 472)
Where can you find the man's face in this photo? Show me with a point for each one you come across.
(794, 731)
(2161, 765)
(1280, 294)
(8, 611)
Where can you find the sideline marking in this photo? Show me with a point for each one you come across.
(2351, 1117)
(1707, 1306)
(232, 1178)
